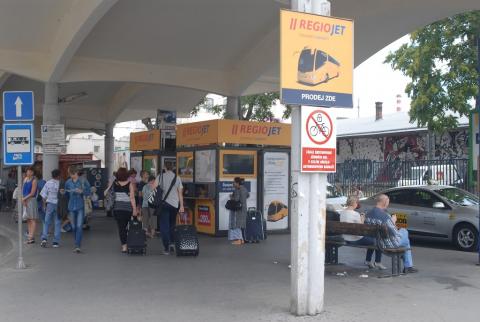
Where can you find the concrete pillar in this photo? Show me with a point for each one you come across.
(308, 212)
(51, 115)
(109, 148)
(233, 108)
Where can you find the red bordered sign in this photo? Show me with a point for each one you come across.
(318, 140)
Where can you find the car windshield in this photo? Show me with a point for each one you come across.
(305, 64)
(332, 192)
(459, 197)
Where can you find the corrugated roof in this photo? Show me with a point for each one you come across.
(391, 123)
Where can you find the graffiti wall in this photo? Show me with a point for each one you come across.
(411, 147)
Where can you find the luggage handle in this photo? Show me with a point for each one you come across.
(184, 216)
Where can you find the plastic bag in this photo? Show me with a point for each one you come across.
(24, 214)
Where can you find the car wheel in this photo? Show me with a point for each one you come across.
(465, 237)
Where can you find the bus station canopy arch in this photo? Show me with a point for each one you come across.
(133, 57)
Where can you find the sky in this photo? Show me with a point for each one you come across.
(373, 81)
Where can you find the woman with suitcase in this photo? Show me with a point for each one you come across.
(238, 217)
(124, 206)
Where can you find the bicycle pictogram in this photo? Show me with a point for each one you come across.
(319, 127)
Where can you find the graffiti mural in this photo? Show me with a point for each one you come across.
(451, 145)
(384, 159)
(406, 147)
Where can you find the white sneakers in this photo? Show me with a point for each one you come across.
(373, 265)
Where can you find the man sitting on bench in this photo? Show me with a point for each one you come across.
(396, 237)
(351, 216)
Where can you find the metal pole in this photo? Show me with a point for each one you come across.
(20, 263)
(308, 212)
(477, 107)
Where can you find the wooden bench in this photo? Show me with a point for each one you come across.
(334, 241)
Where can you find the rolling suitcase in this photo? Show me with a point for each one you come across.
(255, 229)
(136, 238)
(186, 240)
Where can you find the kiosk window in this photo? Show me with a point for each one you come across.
(239, 164)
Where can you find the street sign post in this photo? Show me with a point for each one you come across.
(18, 144)
(18, 106)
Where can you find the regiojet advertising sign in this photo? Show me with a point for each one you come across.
(316, 60)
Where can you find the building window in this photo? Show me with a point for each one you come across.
(96, 148)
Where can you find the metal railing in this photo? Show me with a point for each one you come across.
(373, 177)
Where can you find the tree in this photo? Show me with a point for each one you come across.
(441, 61)
(256, 107)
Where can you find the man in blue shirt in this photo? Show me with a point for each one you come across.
(396, 237)
(49, 194)
(76, 190)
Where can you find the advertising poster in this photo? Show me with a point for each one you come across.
(205, 166)
(205, 216)
(275, 189)
(98, 180)
(316, 60)
(121, 159)
(185, 166)
(150, 164)
(136, 163)
(225, 191)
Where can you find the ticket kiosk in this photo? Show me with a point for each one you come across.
(150, 152)
(211, 154)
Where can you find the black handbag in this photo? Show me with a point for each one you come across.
(233, 205)
(156, 201)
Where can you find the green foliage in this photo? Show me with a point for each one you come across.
(256, 107)
(441, 61)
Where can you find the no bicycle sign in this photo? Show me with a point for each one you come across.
(318, 140)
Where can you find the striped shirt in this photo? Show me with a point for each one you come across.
(377, 216)
(122, 197)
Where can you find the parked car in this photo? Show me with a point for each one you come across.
(435, 211)
(443, 174)
(335, 200)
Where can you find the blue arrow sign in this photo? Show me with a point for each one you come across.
(18, 106)
(18, 144)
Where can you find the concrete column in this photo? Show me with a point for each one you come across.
(308, 212)
(109, 148)
(233, 108)
(51, 115)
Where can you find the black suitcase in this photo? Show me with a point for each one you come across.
(136, 238)
(255, 229)
(186, 240)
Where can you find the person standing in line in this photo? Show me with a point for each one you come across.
(76, 191)
(10, 186)
(238, 218)
(49, 195)
(173, 205)
(351, 216)
(40, 184)
(144, 175)
(148, 219)
(29, 201)
(124, 207)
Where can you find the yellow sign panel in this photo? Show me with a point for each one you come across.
(185, 165)
(402, 220)
(233, 132)
(316, 60)
(145, 141)
(205, 216)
